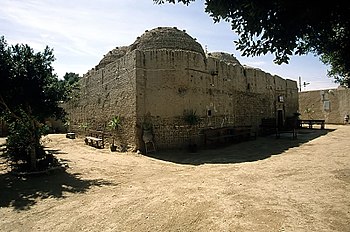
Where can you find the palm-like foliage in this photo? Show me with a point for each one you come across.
(114, 125)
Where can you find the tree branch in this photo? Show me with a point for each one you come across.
(7, 109)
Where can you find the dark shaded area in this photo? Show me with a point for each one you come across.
(23, 192)
(249, 151)
(45, 161)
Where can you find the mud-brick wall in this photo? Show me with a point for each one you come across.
(261, 95)
(344, 102)
(171, 82)
(330, 104)
(168, 80)
(105, 93)
(291, 98)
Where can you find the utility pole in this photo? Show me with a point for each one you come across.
(304, 84)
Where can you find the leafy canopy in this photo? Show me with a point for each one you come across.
(29, 94)
(285, 28)
(28, 83)
(71, 78)
(70, 84)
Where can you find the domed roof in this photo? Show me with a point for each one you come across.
(158, 38)
(226, 57)
(168, 38)
(111, 56)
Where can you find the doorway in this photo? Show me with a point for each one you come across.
(280, 119)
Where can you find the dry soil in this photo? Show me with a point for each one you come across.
(266, 184)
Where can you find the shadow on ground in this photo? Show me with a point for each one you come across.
(20, 193)
(249, 151)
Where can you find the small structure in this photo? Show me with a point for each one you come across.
(311, 122)
(70, 135)
(329, 105)
(96, 139)
(163, 75)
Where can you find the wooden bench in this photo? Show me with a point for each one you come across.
(70, 135)
(290, 126)
(244, 132)
(94, 142)
(96, 139)
(311, 122)
(224, 135)
(216, 135)
(268, 126)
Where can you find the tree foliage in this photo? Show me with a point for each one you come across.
(70, 78)
(115, 123)
(70, 83)
(286, 28)
(29, 94)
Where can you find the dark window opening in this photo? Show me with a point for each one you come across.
(209, 113)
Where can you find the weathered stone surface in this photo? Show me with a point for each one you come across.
(166, 38)
(329, 104)
(226, 57)
(164, 74)
(112, 56)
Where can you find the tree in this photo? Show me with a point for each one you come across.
(286, 28)
(29, 94)
(114, 125)
(70, 83)
(71, 78)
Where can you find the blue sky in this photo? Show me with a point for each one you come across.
(82, 31)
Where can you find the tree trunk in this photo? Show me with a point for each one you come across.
(33, 158)
(33, 146)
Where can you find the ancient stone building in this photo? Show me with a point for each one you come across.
(329, 104)
(164, 76)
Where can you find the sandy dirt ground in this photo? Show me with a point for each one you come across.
(266, 184)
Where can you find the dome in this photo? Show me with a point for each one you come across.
(111, 56)
(226, 57)
(166, 38)
(158, 38)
